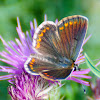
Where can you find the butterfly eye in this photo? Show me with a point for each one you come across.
(76, 67)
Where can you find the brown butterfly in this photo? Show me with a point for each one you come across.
(57, 47)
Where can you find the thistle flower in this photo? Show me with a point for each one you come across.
(28, 87)
(16, 54)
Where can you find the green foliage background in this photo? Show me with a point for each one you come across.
(26, 10)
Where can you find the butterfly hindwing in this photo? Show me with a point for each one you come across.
(38, 63)
(56, 74)
(47, 67)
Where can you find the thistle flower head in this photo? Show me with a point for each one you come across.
(16, 53)
(28, 87)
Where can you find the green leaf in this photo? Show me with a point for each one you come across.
(90, 64)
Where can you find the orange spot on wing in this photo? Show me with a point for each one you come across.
(31, 63)
(75, 22)
(66, 24)
(45, 73)
(47, 28)
(31, 66)
(61, 28)
(39, 39)
(33, 60)
(70, 23)
(38, 45)
(48, 75)
(44, 31)
(41, 34)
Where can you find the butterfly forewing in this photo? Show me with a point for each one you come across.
(71, 31)
(43, 40)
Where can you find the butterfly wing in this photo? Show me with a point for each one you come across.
(44, 37)
(47, 68)
(72, 31)
(56, 74)
(37, 63)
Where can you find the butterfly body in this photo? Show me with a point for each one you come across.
(57, 47)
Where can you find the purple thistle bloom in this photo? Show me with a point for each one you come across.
(28, 87)
(16, 55)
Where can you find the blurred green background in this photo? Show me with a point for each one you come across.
(26, 10)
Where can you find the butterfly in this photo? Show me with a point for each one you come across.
(57, 47)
